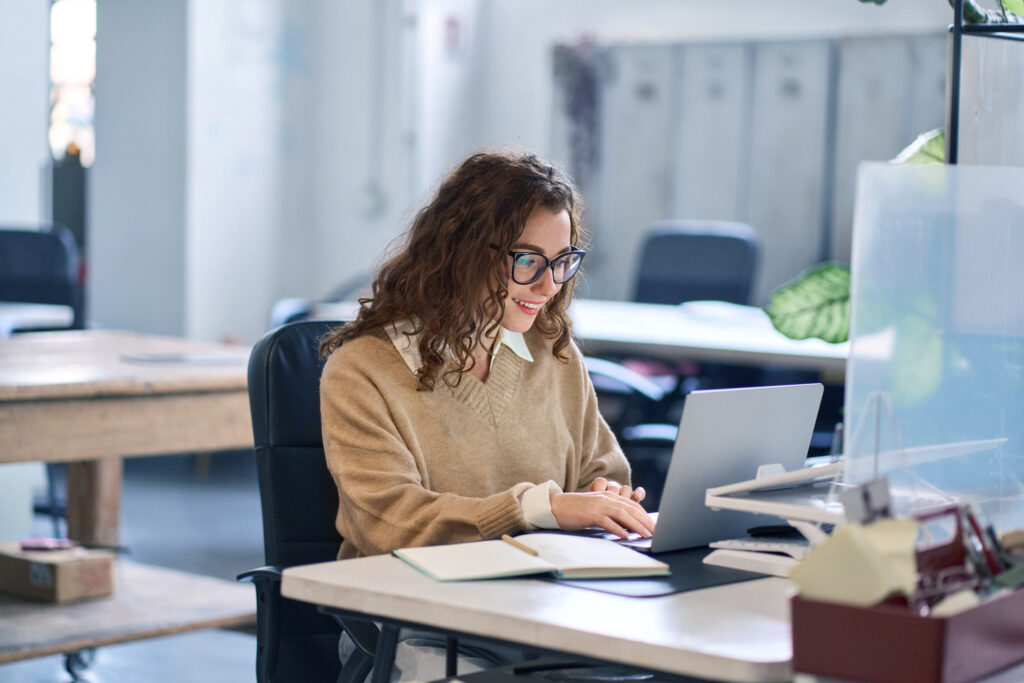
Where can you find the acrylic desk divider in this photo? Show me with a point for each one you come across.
(933, 387)
(937, 328)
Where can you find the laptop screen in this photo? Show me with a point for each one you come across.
(724, 436)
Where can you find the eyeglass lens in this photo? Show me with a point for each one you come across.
(528, 268)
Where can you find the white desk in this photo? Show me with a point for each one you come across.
(19, 316)
(735, 632)
(698, 330)
(702, 331)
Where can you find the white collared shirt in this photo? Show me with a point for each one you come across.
(535, 502)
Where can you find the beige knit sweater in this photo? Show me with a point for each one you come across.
(422, 468)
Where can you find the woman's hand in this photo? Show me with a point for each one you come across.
(602, 484)
(609, 510)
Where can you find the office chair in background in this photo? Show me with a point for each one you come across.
(43, 267)
(299, 501)
(680, 261)
(697, 260)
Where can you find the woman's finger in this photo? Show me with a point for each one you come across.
(609, 524)
(599, 484)
(639, 494)
(631, 521)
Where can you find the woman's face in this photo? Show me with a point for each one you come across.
(547, 233)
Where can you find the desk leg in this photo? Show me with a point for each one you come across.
(94, 501)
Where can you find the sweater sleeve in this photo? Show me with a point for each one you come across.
(601, 454)
(383, 504)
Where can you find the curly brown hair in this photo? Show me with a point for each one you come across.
(447, 257)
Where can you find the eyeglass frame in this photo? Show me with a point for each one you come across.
(548, 264)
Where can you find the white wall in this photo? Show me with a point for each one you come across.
(24, 109)
(201, 193)
(24, 161)
(364, 173)
(136, 193)
(450, 54)
(237, 246)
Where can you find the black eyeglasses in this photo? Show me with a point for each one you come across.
(529, 266)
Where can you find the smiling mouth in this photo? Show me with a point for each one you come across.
(528, 307)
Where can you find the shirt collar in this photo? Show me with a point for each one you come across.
(408, 344)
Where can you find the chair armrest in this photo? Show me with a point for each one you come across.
(261, 575)
(267, 581)
(630, 380)
(650, 435)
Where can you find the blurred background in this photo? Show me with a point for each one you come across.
(214, 157)
(230, 154)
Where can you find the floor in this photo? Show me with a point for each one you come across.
(201, 516)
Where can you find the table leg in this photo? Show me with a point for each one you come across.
(94, 501)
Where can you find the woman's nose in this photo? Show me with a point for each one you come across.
(546, 285)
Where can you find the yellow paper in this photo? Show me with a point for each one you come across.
(861, 565)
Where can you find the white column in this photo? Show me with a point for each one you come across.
(136, 194)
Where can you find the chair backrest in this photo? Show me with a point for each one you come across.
(42, 267)
(696, 260)
(297, 494)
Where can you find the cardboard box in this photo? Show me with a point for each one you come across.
(55, 575)
(890, 643)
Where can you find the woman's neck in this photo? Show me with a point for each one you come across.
(481, 355)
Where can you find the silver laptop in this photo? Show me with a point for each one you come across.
(724, 436)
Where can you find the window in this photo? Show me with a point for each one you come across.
(72, 72)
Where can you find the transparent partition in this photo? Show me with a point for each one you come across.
(935, 380)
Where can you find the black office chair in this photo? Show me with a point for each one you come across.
(42, 267)
(295, 642)
(697, 260)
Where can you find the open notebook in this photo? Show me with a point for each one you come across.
(564, 555)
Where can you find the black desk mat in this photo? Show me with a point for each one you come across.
(688, 573)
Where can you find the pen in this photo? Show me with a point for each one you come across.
(522, 546)
(997, 547)
(986, 552)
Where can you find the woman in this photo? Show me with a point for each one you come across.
(456, 407)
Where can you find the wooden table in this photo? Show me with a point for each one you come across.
(92, 397)
(147, 602)
(734, 632)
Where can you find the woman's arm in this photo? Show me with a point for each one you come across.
(605, 497)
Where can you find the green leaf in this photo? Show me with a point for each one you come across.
(1015, 6)
(928, 148)
(816, 305)
(975, 14)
